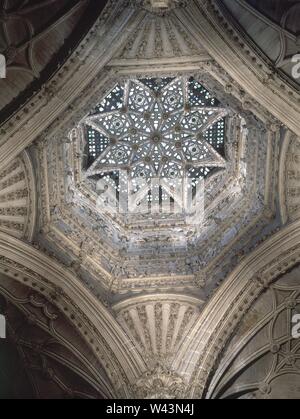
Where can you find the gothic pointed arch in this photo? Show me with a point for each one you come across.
(35, 40)
(246, 69)
(149, 199)
(239, 293)
(261, 361)
(51, 291)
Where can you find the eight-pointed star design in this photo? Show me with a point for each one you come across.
(159, 131)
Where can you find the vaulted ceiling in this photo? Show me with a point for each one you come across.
(148, 307)
(43, 355)
(36, 37)
(262, 361)
(272, 25)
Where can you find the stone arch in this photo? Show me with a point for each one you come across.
(289, 178)
(96, 56)
(261, 361)
(230, 303)
(49, 350)
(95, 324)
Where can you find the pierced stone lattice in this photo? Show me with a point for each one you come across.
(165, 127)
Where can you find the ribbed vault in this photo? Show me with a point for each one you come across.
(46, 353)
(36, 37)
(102, 306)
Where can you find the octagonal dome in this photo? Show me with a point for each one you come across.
(161, 173)
(150, 143)
(156, 169)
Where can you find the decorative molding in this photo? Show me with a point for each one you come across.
(65, 228)
(289, 178)
(242, 63)
(159, 36)
(279, 26)
(35, 39)
(204, 21)
(60, 91)
(159, 7)
(159, 383)
(231, 302)
(49, 345)
(163, 343)
(263, 338)
(158, 324)
(18, 198)
(97, 327)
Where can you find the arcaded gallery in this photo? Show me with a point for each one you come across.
(150, 201)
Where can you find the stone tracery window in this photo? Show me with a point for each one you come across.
(156, 127)
(169, 128)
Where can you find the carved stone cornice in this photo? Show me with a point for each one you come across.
(58, 131)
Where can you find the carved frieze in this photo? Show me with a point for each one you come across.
(159, 383)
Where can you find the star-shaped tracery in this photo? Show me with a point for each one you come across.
(157, 128)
